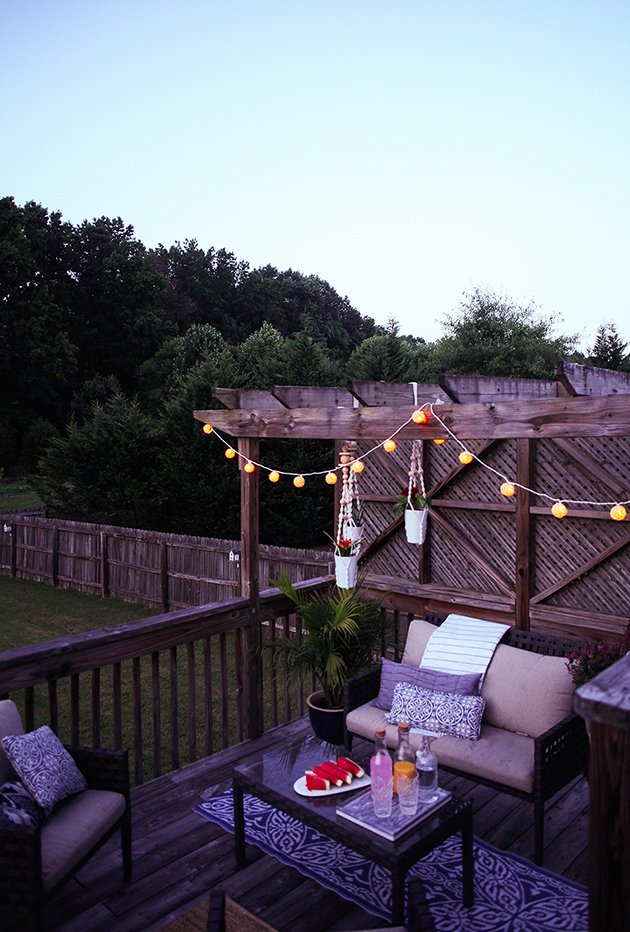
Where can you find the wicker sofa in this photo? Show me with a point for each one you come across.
(531, 742)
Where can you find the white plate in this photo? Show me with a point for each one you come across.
(357, 782)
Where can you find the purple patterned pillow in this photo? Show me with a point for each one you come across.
(437, 712)
(465, 684)
(46, 769)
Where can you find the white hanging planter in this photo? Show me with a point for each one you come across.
(346, 571)
(354, 531)
(416, 524)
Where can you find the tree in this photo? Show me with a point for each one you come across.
(37, 356)
(384, 357)
(491, 335)
(608, 351)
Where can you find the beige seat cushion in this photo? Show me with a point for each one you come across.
(10, 724)
(73, 828)
(498, 754)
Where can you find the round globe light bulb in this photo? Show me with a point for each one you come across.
(419, 417)
(207, 428)
(465, 457)
(298, 482)
(230, 453)
(439, 440)
(358, 466)
(249, 467)
(389, 446)
(559, 510)
(274, 476)
(331, 478)
(618, 512)
(507, 489)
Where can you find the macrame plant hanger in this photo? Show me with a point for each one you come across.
(415, 517)
(416, 473)
(349, 526)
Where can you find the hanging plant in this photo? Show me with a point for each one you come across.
(405, 500)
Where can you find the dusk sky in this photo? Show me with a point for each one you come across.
(405, 151)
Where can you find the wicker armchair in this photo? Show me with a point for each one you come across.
(36, 862)
(560, 754)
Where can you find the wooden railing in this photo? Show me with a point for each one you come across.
(171, 688)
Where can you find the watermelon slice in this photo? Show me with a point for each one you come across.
(350, 766)
(327, 775)
(313, 782)
(331, 766)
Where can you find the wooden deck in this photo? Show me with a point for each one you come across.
(178, 856)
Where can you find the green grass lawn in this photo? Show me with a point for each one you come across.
(18, 494)
(32, 612)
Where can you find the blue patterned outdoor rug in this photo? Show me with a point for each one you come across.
(511, 894)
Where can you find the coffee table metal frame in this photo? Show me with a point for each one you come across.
(270, 778)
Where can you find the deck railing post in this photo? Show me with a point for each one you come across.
(605, 702)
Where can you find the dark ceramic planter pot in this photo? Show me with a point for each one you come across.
(326, 723)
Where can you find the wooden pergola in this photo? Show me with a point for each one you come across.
(582, 403)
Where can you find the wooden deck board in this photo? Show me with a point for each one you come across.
(178, 857)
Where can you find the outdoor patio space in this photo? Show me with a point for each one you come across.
(178, 857)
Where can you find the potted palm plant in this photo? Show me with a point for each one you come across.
(340, 631)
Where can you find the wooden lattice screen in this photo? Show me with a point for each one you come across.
(485, 554)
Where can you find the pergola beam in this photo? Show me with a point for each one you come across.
(603, 416)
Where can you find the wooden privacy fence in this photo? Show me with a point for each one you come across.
(171, 688)
(166, 571)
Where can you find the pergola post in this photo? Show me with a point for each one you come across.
(248, 447)
(525, 466)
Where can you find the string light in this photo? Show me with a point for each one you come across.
(274, 475)
(618, 511)
(439, 440)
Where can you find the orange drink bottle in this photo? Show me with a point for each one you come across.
(404, 758)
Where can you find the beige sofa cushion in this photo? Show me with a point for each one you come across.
(419, 633)
(10, 724)
(498, 755)
(526, 692)
(73, 828)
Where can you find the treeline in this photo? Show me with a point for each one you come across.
(107, 347)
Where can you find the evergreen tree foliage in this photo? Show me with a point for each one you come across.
(609, 350)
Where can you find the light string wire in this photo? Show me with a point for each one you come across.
(431, 406)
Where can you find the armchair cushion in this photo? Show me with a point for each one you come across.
(47, 770)
(74, 827)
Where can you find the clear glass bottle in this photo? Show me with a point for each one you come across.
(404, 759)
(427, 766)
(382, 776)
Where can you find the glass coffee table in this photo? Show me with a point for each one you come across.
(271, 775)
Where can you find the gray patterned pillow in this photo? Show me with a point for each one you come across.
(464, 684)
(437, 712)
(17, 806)
(47, 770)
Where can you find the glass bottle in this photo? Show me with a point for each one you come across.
(427, 766)
(404, 760)
(381, 775)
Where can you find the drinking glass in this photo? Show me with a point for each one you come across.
(408, 793)
(382, 792)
